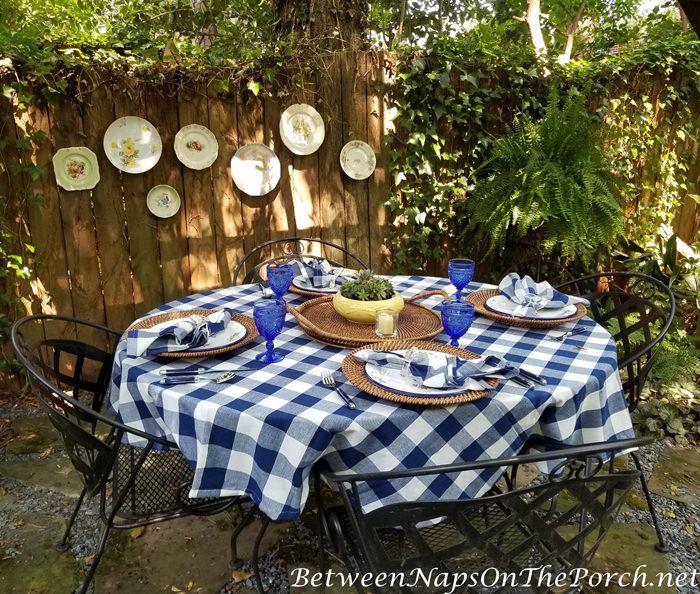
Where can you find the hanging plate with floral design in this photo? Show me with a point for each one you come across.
(163, 201)
(132, 144)
(302, 129)
(255, 169)
(76, 168)
(196, 146)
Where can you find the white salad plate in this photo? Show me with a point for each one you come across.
(503, 305)
(230, 335)
(76, 168)
(196, 146)
(132, 144)
(301, 283)
(396, 380)
(163, 201)
(302, 129)
(255, 169)
(357, 159)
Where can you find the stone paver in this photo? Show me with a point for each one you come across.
(29, 562)
(55, 473)
(33, 435)
(677, 475)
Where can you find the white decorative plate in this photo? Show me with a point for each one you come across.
(357, 159)
(196, 146)
(163, 201)
(230, 335)
(394, 380)
(132, 144)
(503, 305)
(255, 169)
(302, 129)
(76, 168)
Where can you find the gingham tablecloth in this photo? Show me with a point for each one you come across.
(261, 433)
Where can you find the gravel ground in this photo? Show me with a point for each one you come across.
(680, 524)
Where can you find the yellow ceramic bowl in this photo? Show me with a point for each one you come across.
(364, 312)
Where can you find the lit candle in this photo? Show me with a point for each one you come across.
(386, 323)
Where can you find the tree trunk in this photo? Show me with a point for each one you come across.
(334, 24)
(571, 30)
(533, 22)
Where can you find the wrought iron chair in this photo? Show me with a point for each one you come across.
(638, 311)
(278, 251)
(68, 364)
(557, 520)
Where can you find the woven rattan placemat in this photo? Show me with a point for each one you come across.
(321, 322)
(355, 372)
(246, 321)
(300, 291)
(478, 298)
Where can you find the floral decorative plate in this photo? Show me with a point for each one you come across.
(302, 129)
(196, 146)
(132, 144)
(255, 169)
(357, 159)
(76, 168)
(163, 201)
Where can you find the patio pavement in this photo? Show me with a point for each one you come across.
(38, 488)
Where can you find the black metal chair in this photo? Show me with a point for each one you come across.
(558, 520)
(279, 251)
(69, 364)
(638, 311)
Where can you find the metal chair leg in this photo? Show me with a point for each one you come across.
(661, 545)
(96, 560)
(63, 544)
(256, 549)
(245, 520)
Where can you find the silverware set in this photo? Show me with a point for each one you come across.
(328, 380)
(201, 374)
(574, 332)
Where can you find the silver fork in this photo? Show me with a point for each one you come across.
(328, 380)
(193, 379)
(573, 332)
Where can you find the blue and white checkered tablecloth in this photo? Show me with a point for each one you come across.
(261, 433)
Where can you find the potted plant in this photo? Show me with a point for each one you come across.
(359, 300)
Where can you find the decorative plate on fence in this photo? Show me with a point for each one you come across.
(132, 144)
(357, 159)
(163, 201)
(196, 146)
(76, 168)
(302, 129)
(255, 169)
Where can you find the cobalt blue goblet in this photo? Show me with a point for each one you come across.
(457, 317)
(269, 319)
(280, 278)
(460, 271)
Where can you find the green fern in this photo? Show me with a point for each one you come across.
(548, 177)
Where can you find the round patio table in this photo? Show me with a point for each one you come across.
(261, 433)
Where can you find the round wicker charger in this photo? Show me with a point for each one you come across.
(321, 322)
(355, 372)
(305, 293)
(478, 298)
(246, 321)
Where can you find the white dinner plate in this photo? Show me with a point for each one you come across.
(357, 159)
(76, 168)
(393, 380)
(302, 129)
(132, 144)
(230, 335)
(255, 169)
(301, 283)
(163, 201)
(196, 146)
(502, 305)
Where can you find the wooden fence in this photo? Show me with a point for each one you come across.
(101, 255)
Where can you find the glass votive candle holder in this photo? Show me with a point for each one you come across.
(386, 323)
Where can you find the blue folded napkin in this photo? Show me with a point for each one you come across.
(319, 274)
(532, 297)
(437, 370)
(179, 335)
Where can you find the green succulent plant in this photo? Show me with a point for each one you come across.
(367, 287)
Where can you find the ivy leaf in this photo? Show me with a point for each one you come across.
(254, 87)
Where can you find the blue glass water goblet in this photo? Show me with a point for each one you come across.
(457, 317)
(280, 278)
(269, 319)
(460, 271)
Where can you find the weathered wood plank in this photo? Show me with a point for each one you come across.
(254, 209)
(332, 197)
(227, 198)
(379, 251)
(201, 232)
(161, 109)
(141, 225)
(354, 101)
(110, 216)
